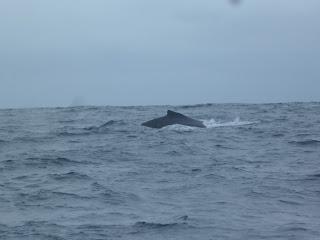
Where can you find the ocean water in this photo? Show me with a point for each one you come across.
(96, 173)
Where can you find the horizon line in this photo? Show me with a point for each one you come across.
(159, 105)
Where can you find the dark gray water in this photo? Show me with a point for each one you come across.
(95, 173)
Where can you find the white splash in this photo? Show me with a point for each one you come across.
(179, 128)
(212, 123)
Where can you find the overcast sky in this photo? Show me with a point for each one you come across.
(146, 52)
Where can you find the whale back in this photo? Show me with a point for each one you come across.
(173, 118)
(174, 114)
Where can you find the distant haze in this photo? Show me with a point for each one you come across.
(144, 52)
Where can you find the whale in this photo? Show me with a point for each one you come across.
(173, 118)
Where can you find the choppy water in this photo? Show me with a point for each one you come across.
(95, 173)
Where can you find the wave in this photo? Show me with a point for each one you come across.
(64, 121)
(289, 202)
(196, 105)
(70, 131)
(309, 142)
(112, 197)
(38, 162)
(107, 124)
(142, 225)
(69, 176)
(178, 221)
(277, 135)
(104, 127)
(313, 177)
(30, 139)
(154, 225)
(50, 161)
(317, 175)
(37, 197)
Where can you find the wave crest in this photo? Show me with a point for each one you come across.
(152, 225)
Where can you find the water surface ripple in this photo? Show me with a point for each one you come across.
(95, 173)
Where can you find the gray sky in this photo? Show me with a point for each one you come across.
(143, 52)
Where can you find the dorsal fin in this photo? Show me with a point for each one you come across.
(173, 114)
